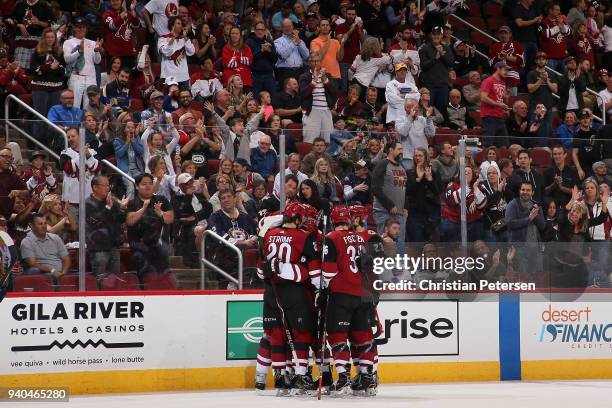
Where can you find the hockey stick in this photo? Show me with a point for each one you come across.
(322, 316)
(280, 308)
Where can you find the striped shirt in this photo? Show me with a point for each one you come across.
(318, 97)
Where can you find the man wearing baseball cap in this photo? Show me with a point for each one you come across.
(191, 210)
(541, 85)
(571, 87)
(493, 107)
(81, 56)
(398, 90)
(511, 52)
(436, 60)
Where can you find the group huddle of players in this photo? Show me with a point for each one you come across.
(318, 297)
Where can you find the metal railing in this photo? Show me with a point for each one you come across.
(473, 27)
(8, 122)
(206, 262)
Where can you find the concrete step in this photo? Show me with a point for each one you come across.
(176, 262)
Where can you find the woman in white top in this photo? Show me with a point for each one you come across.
(174, 49)
(369, 63)
(155, 145)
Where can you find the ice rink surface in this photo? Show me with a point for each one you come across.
(553, 394)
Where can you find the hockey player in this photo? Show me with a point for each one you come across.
(289, 259)
(348, 317)
(373, 248)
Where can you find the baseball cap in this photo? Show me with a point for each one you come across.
(311, 15)
(457, 43)
(171, 81)
(155, 95)
(93, 90)
(502, 64)
(401, 65)
(598, 164)
(541, 54)
(360, 164)
(584, 114)
(503, 28)
(184, 178)
(38, 153)
(570, 58)
(340, 117)
(79, 21)
(602, 72)
(436, 29)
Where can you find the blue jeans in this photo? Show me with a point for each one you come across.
(439, 96)
(451, 231)
(558, 65)
(494, 131)
(424, 226)
(263, 82)
(529, 51)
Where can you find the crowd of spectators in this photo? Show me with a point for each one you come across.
(189, 98)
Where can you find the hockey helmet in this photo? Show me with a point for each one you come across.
(294, 210)
(340, 215)
(359, 211)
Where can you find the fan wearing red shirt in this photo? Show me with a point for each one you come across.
(554, 33)
(510, 51)
(353, 30)
(493, 107)
(118, 26)
(237, 59)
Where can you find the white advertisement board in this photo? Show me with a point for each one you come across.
(566, 330)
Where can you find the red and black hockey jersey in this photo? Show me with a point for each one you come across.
(342, 249)
(296, 250)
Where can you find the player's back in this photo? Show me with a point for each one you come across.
(343, 251)
(285, 244)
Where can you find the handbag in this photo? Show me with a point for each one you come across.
(498, 225)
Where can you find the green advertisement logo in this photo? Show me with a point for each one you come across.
(244, 329)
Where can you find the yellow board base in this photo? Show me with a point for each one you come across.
(567, 369)
(110, 382)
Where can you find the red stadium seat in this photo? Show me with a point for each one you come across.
(123, 281)
(295, 131)
(474, 8)
(476, 117)
(492, 9)
(212, 167)
(70, 283)
(156, 69)
(461, 81)
(494, 23)
(480, 39)
(193, 68)
(303, 148)
(160, 281)
(249, 258)
(476, 21)
(452, 138)
(33, 283)
(540, 157)
(136, 105)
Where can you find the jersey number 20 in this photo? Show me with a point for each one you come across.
(281, 252)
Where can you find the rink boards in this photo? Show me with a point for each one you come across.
(110, 342)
